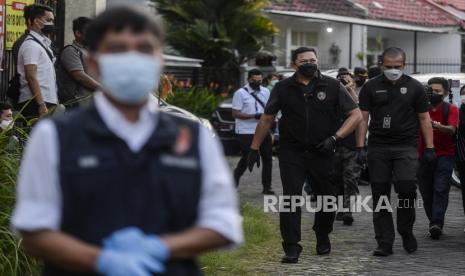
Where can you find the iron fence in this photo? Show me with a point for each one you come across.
(438, 66)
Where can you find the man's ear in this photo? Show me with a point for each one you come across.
(31, 22)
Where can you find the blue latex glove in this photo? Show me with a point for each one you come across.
(121, 263)
(132, 239)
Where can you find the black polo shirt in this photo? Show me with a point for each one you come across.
(310, 113)
(393, 110)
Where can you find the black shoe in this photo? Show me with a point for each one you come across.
(410, 243)
(268, 191)
(347, 218)
(291, 255)
(435, 231)
(382, 251)
(339, 216)
(323, 245)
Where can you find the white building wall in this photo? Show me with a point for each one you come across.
(431, 47)
(394, 38)
(283, 39)
(358, 38)
(74, 9)
(443, 50)
(339, 36)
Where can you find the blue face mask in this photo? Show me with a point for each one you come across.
(129, 77)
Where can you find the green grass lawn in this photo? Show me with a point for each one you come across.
(262, 245)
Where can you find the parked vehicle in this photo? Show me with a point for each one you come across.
(177, 111)
(286, 73)
(223, 122)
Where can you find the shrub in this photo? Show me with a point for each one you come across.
(200, 101)
(13, 259)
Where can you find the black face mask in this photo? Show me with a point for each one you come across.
(48, 29)
(307, 70)
(435, 99)
(255, 85)
(360, 82)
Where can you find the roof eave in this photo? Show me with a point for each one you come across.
(367, 22)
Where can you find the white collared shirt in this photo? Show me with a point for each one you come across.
(246, 103)
(31, 52)
(38, 199)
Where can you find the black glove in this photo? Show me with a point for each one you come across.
(328, 146)
(429, 155)
(362, 156)
(258, 115)
(252, 159)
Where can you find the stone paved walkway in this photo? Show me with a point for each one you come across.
(352, 245)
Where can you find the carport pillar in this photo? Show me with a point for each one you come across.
(415, 43)
(350, 44)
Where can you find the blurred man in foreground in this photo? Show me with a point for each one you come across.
(120, 188)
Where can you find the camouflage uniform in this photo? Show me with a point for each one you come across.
(346, 173)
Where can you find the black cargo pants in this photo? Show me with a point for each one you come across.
(295, 166)
(397, 164)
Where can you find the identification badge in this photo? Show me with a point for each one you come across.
(387, 122)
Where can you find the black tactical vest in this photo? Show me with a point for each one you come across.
(106, 187)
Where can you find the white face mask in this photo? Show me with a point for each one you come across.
(393, 74)
(129, 76)
(273, 82)
(6, 124)
(462, 98)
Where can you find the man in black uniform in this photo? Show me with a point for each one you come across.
(398, 106)
(309, 129)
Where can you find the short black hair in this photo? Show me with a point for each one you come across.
(442, 81)
(5, 106)
(118, 19)
(80, 24)
(462, 89)
(34, 11)
(254, 72)
(301, 50)
(393, 52)
(27, 12)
